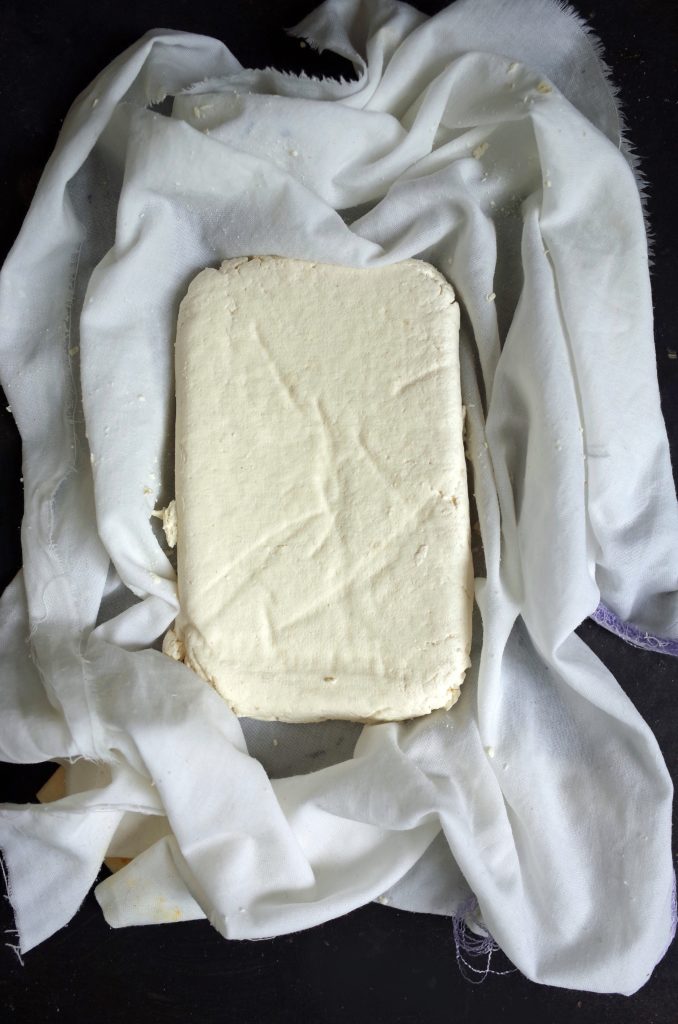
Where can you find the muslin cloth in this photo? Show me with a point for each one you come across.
(486, 140)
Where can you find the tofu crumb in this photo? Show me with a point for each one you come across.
(168, 517)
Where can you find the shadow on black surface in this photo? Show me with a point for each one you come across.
(376, 964)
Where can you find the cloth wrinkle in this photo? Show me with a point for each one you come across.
(486, 140)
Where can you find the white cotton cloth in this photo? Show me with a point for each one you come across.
(485, 140)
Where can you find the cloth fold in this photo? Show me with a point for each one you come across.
(486, 140)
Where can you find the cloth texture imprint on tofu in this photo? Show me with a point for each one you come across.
(324, 561)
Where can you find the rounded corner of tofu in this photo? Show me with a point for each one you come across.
(197, 286)
(424, 269)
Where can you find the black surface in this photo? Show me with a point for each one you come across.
(377, 964)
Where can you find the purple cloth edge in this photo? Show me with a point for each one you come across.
(605, 617)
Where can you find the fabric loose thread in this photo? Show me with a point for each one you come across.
(467, 943)
(674, 918)
(14, 946)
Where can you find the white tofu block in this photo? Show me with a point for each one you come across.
(324, 559)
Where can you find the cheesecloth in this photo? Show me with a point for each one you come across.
(486, 140)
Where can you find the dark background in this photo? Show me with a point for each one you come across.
(376, 964)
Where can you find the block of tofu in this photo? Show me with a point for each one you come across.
(324, 562)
